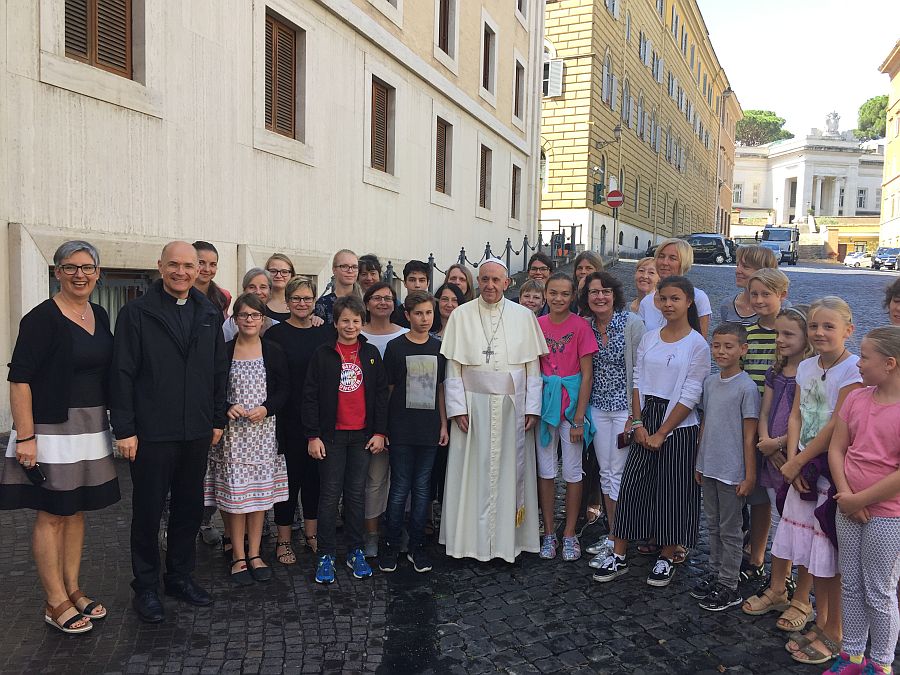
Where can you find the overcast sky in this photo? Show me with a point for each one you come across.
(804, 58)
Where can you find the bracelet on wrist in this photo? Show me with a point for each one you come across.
(636, 423)
(25, 440)
(577, 426)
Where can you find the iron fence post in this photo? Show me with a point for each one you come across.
(487, 251)
(388, 273)
(431, 272)
(525, 253)
(462, 255)
(508, 252)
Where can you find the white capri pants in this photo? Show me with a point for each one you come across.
(571, 455)
(610, 460)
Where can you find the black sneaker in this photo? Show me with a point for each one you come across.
(612, 567)
(387, 558)
(721, 599)
(420, 560)
(662, 573)
(704, 586)
(751, 573)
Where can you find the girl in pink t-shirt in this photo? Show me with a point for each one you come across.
(864, 456)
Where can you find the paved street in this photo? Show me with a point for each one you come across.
(465, 617)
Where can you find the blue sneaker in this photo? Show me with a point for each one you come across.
(325, 569)
(356, 561)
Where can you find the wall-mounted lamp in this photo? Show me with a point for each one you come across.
(617, 136)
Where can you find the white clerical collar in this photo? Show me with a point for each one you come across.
(489, 306)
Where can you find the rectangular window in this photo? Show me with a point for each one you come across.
(522, 6)
(861, 198)
(281, 77)
(519, 91)
(382, 126)
(738, 193)
(98, 32)
(756, 193)
(488, 58)
(444, 19)
(553, 78)
(515, 192)
(484, 178)
(841, 199)
(443, 155)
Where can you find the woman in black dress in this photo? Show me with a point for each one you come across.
(59, 460)
(299, 337)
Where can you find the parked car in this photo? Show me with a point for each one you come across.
(858, 259)
(886, 258)
(708, 248)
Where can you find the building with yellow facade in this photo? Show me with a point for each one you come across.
(890, 187)
(634, 99)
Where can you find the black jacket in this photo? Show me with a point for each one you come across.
(161, 387)
(277, 385)
(320, 392)
(42, 358)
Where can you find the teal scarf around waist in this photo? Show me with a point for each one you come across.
(551, 405)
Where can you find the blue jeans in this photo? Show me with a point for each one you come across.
(410, 474)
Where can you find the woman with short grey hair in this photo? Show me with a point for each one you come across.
(259, 282)
(59, 459)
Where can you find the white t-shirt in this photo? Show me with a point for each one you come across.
(653, 318)
(817, 396)
(380, 341)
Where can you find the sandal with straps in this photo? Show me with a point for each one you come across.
(813, 656)
(765, 602)
(313, 538)
(89, 607)
(795, 617)
(801, 640)
(288, 557)
(52, 614)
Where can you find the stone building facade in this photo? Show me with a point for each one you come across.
(890, 187)
(634, 99)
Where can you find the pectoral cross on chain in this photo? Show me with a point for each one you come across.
(488, 353)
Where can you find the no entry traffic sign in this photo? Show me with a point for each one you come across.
(615, 199)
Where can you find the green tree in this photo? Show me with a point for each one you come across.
(761, 126)
(872, 118)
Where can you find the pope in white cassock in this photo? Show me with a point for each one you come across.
(493, 392)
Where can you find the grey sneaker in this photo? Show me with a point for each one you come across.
(371, 545)
(603, 545)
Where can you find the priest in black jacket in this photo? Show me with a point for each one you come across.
(167, 407)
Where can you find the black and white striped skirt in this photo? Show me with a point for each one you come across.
(659, 498)
(75, 456)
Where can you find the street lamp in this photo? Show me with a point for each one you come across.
(617, 135)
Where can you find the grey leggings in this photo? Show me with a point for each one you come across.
(869, 556)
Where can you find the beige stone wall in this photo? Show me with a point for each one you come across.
(659, 199)
(890, 192)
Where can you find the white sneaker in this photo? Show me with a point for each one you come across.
(603, 545)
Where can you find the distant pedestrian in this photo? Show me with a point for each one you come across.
(281, 269)
(566, 371)
(59, 460)
(726, 465)
(462, 277)
(165, 422)
(246, 472)
(864, 455)
(749, 260)
(823, 384)
(674, 257)
(659, 498)
(299, 339)
(345, 268)
(417, 426)
(645, 280)
(892, 302)
(345, 415)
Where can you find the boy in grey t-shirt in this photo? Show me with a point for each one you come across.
(726, 464)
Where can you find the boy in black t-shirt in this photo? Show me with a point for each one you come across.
(417, 424)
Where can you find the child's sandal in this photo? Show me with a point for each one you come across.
(89, 606)
(766, 602)
(802, 640)
(795, 617)
(812, 656)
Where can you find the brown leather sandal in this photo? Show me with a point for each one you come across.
(795, 617)
(802, 640)
(52, 614)
(765, 602)
(88, 608)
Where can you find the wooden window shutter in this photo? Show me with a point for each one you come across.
(486, 59)
(444, 27)
(113, 36)
(515, 190)
(379, 125)
(281, 77)
(440, 157)
(77, 33)
(517, 91)
(483, 179)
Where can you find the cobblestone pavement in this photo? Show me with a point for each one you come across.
(465, 617)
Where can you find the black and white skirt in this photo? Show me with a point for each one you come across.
(75, 456)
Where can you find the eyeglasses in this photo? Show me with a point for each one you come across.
(301, 299)
(72, 270)
(347, 268)
(542, 268)
(594, 292)
(249, 316)
(173, 266)
(279, 273)
(382, 298)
